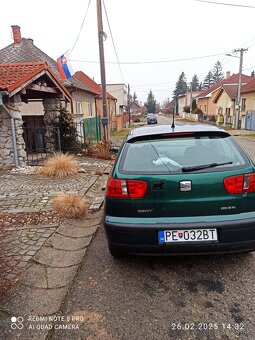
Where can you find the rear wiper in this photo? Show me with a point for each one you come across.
(204, 166)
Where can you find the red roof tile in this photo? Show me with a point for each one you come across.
(15, 75)
(90, 83)
(26, 52)
(249, 87)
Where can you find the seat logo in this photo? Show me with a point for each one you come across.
(185, 186)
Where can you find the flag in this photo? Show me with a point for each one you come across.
(64, 67)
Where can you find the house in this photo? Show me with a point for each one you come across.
(23, 50)
(181, 102)
(119, 91)
(225, 100)
(111, 100)
(116, 120)
(248, 96)
(184, 100)
(206, 99)
(20, 84)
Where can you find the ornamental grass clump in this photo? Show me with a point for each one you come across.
(69, 206)
(59, 166)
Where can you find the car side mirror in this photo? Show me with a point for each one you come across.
(114, 149)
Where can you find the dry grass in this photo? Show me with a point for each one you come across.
(100, 150)
(59, 166)
(69, 206)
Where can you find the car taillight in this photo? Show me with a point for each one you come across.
(122, 188)
(240, 184)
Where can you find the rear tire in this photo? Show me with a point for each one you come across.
(115, 253)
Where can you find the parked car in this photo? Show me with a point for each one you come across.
(187, 190)
(151, 118)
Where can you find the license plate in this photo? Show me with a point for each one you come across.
(188, 235)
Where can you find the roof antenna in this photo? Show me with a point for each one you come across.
(175, 103)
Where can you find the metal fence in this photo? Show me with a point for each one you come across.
(43, 141)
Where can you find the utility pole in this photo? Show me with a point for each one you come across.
(128, 98)
(238, 99)
(174, 112)
(190, 105)
(101, 36)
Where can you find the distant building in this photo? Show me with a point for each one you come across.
(119, 91)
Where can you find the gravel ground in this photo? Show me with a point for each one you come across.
(29, 218)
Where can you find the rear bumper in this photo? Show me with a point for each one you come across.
(140, 239)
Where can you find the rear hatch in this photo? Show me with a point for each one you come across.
(196, 174)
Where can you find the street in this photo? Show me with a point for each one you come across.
(203, 297)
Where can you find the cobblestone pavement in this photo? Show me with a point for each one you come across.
(30, 193)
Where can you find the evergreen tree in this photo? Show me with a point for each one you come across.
(217, 72)
(195, 83)
(181, 85)
(208, 81)
(200, 88)
(135, 100)
(67, 131)
(151, 103)
(194, 105)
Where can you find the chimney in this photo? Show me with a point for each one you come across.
(227, 74)
(16, 34)
(30, 40)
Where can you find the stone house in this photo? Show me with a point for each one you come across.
(22, 50)
(21, 83)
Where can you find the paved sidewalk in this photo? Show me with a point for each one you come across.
(40, 260)
(47, 279)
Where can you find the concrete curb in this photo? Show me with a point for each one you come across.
(45, 283)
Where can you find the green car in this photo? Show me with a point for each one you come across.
(187, 190)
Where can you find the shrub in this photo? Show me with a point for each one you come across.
(212, 118)
(69, 206)
(59, 166)
(197, 111)
(137, 120)
(100, 150)
(67, 131)
(186, 109)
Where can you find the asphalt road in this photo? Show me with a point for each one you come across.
(204, 297)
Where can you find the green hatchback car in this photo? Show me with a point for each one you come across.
(187, 190)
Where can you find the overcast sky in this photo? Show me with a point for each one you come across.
(143, 30)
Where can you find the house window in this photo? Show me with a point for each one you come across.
(243, 104)
(90, 110)
(205, 109)
(78, 108)
(228, 111)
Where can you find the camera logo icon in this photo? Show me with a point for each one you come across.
(17, 322)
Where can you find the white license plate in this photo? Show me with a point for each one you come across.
(188, 235)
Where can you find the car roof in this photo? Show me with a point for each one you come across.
(159, 129)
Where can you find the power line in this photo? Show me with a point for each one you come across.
(225, 4)
(80, 27)
(115, 50)
(149, 62)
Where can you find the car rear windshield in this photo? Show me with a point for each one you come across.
(175, 155)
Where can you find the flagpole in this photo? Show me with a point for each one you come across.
(101, 35)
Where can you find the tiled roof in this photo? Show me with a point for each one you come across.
(231, 80)
(13, 76)
(91, 84)
(26, 51)
(249, 87)
(231, 91)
